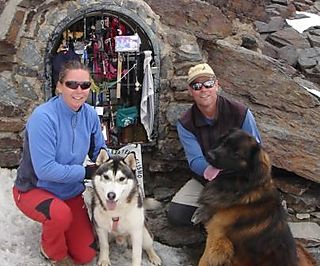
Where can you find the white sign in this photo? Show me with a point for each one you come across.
(136, 149)
(99, 110)
(128, 43)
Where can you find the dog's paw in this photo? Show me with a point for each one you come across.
(196, 217)
(201, 215)
(104, 261)
(155, 260)
(153, 257)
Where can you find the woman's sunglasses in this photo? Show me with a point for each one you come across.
(73, 85)
(198, 85)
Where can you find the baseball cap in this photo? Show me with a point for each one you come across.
(200, 70)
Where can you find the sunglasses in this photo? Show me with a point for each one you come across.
(198, 85)
(73, 85)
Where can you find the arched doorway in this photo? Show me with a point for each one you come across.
(113, 43)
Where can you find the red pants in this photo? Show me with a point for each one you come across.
(66, 227)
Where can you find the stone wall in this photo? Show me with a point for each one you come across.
(186, 32)
(26, 40)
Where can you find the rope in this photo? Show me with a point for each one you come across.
(96, 88)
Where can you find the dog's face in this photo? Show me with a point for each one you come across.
(236, 151)
(114, 179)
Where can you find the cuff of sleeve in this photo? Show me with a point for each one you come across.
(210, 173)
(90, 170)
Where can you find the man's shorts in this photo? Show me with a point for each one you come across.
(189, 193)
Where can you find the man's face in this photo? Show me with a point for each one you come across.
(204, 91)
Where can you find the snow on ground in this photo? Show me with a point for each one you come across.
(301, 24)
(19, 236)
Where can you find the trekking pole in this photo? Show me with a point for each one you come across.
(118, 88)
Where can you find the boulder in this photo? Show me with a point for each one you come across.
(287, 114)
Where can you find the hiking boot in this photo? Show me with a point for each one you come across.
(67, 261)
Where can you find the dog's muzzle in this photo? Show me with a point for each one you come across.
(111, 196)
(111, 202)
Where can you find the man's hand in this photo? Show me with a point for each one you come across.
(210, 173)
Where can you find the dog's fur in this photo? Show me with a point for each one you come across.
(118, 208)
(242, 212)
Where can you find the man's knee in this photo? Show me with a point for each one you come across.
(180, 214)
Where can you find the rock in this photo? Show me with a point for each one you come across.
(306, 230)
(249, 42)
(275, 24)
(188, 15)
(313, 35)
(288, 36)
(281, 2)
(316, 214)
(308, 58)
(301, 6)
(284, 11)
(171, 235)
(287, 115)
(303, 216)
(309, 63)
(289, 54)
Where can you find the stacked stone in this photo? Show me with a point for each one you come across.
(282, 42)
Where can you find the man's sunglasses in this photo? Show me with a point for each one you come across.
(73, 85)
(198, 85)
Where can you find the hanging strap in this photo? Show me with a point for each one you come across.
(118, 90)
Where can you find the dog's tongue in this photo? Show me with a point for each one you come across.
(111, 205)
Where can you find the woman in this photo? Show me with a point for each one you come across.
(49, 184)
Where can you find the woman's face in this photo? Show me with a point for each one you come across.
(76, 96)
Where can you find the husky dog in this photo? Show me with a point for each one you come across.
(118, 208)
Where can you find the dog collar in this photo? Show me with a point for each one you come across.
(115, 221)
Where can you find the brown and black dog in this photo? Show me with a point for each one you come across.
(242, 212)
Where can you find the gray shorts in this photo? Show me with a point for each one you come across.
(189, 193)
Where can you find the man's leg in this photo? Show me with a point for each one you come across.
(184, 203)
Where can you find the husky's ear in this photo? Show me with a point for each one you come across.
(130, 160)
(102, 157)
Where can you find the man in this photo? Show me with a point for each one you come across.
(199, 129)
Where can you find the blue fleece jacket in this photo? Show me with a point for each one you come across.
(57, 140)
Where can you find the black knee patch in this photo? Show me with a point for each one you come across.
(94, 245)
(180, 214)
(44, 207)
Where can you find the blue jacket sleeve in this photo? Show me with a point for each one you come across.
(197, 161)
(249, 125)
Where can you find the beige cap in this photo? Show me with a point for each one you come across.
(200, 70)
